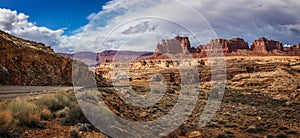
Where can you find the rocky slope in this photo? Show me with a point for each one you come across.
(260, 100)
(24, 62)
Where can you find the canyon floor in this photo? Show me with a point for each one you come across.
(261, 99)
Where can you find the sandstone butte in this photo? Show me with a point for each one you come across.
(232, 47)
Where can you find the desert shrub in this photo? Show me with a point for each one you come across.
(75, 115)
(46, 114)
(89, 95)
(62, 113)
(63, 98)
(26, 113)
(54, 102)
(6, 123)
(108, 90)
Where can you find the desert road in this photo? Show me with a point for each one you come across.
(14, 91)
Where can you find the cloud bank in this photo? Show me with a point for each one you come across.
(18, 25)
(121, 23)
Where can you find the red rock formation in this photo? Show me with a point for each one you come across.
(264, 46)
(237, 44)
(231, 45)
(293, 50)
(185, 43)
(177, 45)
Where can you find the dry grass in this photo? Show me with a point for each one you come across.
(26, 113)
(62, 113)
(17, 115)
(6, 123)
(46, 114)
(54, 102)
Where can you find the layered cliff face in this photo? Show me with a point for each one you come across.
(263, 45)
(29, 63)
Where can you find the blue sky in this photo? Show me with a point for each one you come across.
(56, 14)
(96, 25)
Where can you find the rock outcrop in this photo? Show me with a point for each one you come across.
(264, 46)
(177, 45)
(28, 63)
(231, 45)
(181, 45)
(293, 50)
(184, 42)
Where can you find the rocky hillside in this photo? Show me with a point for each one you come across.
(25, 63)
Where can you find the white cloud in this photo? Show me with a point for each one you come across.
(124, 22)
(139, 28)
(17, 24)
(136, 19)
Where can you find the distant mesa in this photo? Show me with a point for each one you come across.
(263, 45)
(232, 47)
(181, 45)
